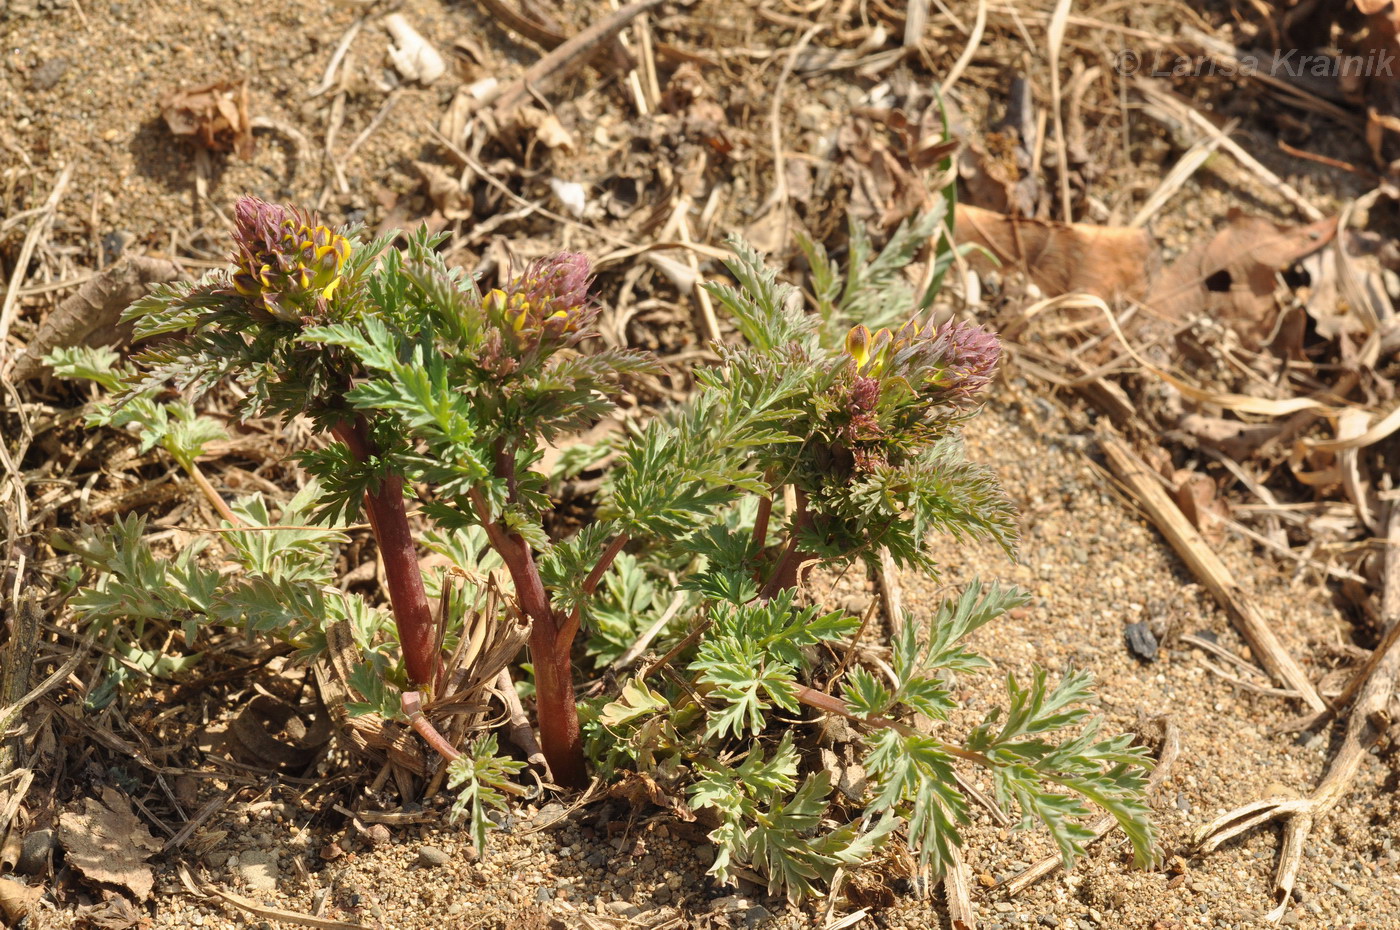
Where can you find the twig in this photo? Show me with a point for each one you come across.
(634, 79)
(202, 889)
(1367, 723)
(1363, 675)
(481, 171)
(1206, 565)
(1171, 747)
(915, 21)
(518, 728)
(26, 252)
(855, 642)
(1002, 818)
(328, 79)
(572, 54)
(958, 890)
(508, 16)
(374, 124)
(778, 201)
(690, 639)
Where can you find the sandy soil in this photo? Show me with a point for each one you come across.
(79, 87)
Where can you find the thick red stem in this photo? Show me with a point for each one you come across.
(551, 645)
(790, 562)
(560, 738)
(389, 519)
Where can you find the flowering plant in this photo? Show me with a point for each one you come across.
(799, 446)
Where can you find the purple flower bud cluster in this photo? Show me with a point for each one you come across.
(541, 310)
(946, 363)
(969, 356)
(286, 265)
(548, 303)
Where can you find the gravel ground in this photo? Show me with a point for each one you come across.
(1094, 566)
(78, 86)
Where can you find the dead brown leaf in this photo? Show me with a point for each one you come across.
(91, 316)
(213, 115)
(109, 844)
(116, 913)
(1232, 277)
(1196, 495)
(17, 900)
(1107, 261)
(638, 788)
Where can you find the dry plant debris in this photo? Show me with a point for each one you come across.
(214, 115)
(1275, 449)
(105, 841)
(1233, 276)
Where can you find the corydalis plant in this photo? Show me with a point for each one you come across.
(421, 379)
(796, 447)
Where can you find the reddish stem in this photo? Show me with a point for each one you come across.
(551, 644)
(412, 703)
(560, 737)
(590, 584)
(389, 519)
(760, 524)
(790, 562)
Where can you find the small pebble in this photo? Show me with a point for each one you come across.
(47, 75)
(1141, 642)
(756, 915)
(34, 854)
(430, 857)
(258, 869)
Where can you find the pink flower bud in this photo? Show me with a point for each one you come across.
(969, 357)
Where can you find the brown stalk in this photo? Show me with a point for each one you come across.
(791, 561)
(550, 646)
(389, 520)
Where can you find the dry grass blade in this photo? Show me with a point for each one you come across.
(1268, 178)
(1187, 165)
(9, 308)
(1368, 722)
(1054, 40)
(1240, 403)
(1206, 566)
(974, 42)
(644, 641)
